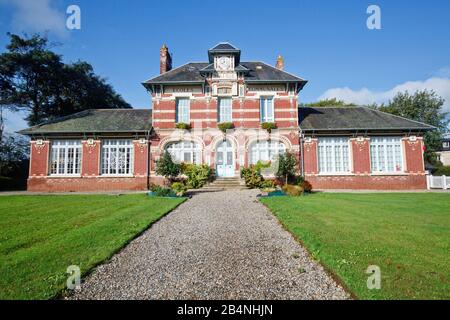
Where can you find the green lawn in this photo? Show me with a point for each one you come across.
(406, 234)
(40, 236)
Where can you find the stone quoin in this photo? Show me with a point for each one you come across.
(117, 149)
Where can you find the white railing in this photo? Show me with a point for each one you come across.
(438, 182)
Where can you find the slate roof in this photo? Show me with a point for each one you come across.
(224, 46)
(257, 72)
(97, 121)
(354, 118)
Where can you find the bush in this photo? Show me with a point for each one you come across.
(269, 126)
(224, 126)
(163, 192)
(298, 180)
(197, 175)
(307, 187)
(287, 164)
(166, 167)
(179, 188)
(261, 165)
(442, 171)
(183, 126)
(253, 179)
(293, 190)
(267, 184)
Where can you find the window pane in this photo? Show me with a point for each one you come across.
(225, 112)
(117, 157)
(386, 154)
(333, 153)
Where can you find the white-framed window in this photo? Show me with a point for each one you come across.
(386, 155)
(182, 110)
(225, 110)
(65, 157)
(265, 151)
(266, 109)
(117, 157)
(184, 151)
(333, 154)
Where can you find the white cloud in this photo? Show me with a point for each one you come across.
(37, 16)
(366, 96)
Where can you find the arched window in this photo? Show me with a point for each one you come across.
(265, 150)
(184, 151)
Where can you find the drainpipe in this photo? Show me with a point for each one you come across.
(148, 159)
(302, 161)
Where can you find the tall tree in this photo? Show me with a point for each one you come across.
(423, 106)
(35, 79)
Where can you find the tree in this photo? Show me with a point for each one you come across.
(167, 168)
(333, 102)
(287, 164)
(423, 106)
(13, 153)
(35, 79)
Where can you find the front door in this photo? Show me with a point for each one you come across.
(224, 159)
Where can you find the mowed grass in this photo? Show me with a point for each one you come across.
(406, 234)
(40, 236)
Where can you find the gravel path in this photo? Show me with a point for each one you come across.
(217, 245)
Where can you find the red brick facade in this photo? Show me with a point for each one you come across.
(246, 115)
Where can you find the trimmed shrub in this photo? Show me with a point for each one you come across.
(293, 190)
(166, 167)
(261, 165)
(179, 188)
(197, 175)
(252, 177)
(307, 187)
(267, 184)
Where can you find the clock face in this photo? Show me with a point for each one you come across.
(224, 63)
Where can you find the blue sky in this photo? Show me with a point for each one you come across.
(325, 42)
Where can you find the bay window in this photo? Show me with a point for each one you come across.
(266, 109)
(65, 157)
(265, 151)
(182, 110)
(117, 157)
(184, 151)
(333, 154)
(386, 154)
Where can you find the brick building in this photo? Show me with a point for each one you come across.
(337, 148)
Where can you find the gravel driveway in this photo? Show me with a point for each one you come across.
(217, 245)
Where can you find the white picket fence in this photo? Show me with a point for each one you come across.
(438, 182)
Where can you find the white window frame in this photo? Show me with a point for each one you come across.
(265, 150)
(263, 109)
(182, 112)
(223, 116)
(381, 158)
(65, 158)
(179, 149)
(113, 149)
(333, 155)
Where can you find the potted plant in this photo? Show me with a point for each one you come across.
(269, 126)
(224, 126)
(183, 126)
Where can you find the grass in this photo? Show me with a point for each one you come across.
(406, 234)
(40, 236)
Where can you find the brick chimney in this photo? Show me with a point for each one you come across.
(165, 60)
(280, 63)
